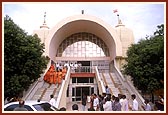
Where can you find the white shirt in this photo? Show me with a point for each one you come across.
(71, 65)
(66, 65)
(147, 107)
(124, 106)
(57, 65)
(76, 65)
(121, 101)
(52, 102)
(95, 102)
(107, 90)
(135, 105)
(107, 106)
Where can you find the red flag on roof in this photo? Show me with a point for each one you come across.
(114, 11)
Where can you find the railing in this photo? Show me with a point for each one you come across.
(129, 86)
(101, 85)
(85, 69)
(61, 100)
(31, 91)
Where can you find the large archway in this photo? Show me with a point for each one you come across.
(83, 45)
(83, 23)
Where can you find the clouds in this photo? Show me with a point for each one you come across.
(142, 18)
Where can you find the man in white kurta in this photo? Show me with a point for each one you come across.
(124, 106)
(134, 103)
(52, 101)
(108, 105)
(95, 103)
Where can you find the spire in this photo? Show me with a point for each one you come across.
(82, 11)
(44, 17)
(119, 22)
(44, 23)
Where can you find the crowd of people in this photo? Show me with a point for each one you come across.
(160, 103)
(55, 75)
(108, 102)
(74, 66)
(105, 102)
(57, 71)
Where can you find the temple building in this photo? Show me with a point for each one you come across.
(99, 48)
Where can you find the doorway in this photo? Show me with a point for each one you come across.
(78, 91)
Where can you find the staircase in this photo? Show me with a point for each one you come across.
(118, 84)
(120, 87)
(45, 92)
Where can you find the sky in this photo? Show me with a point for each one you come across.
(142, 18)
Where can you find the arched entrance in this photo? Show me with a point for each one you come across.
(87, 24)
(83, 45)
(86, 49)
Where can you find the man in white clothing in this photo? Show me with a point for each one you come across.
(52, 101)
(95, 102)
(135, 103)
(147, 106)
(66, 64)
(107, 90)
(57, 66)
(108, 104)
(124, 106)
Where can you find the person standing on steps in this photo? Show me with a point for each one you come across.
(107, 90)
(52, 100)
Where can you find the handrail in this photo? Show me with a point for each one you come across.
(99, 80)
(113, 80)
(27, 96)
(129, 86)
(104, 79)
(61, 100)
(115, 85)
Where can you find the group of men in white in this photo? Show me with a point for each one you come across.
(120, 103)
(73, 66)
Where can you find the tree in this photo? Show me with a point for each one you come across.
(23, 59)
(160, 30)
(145, 62)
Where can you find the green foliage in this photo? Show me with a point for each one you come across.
(145, 62)
(160, 30)
(23, 60)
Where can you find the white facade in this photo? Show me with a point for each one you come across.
(117, 39)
